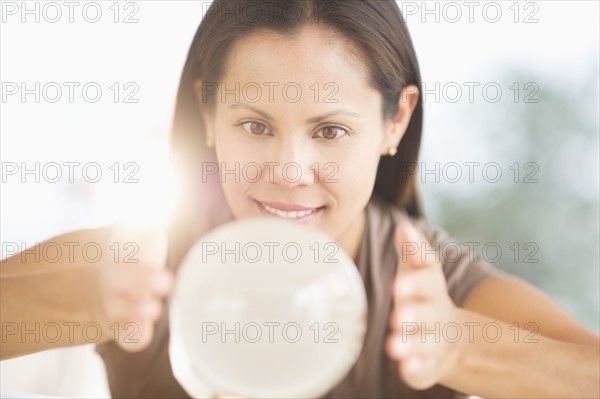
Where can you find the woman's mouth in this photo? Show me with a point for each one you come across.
(289, 211)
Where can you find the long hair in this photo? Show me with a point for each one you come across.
(376, 27)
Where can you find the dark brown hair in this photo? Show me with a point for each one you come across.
(375, 27)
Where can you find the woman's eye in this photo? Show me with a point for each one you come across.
(333, 132)
(253, 127)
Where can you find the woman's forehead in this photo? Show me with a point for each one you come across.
(309, 52)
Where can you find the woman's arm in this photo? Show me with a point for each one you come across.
(49, 301)
(47, 310)
(553, 344)
(509, 339)
(501, 360)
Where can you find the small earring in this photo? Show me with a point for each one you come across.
(209, 142)
(392, 151)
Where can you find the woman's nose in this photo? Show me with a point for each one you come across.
(292, 165)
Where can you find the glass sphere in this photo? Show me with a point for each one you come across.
(265, 307)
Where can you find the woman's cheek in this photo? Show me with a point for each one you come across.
(353, 175)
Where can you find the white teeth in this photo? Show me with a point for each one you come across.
(290, 214)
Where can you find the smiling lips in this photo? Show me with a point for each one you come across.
(288, 211)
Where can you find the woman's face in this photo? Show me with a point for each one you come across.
(298, 132)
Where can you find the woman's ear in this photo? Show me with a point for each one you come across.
(396, 128)
(207, 113)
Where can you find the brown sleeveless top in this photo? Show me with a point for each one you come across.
(148, 373)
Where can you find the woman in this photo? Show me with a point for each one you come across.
(321, 99)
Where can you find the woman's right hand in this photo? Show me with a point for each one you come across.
(113, 278)
(131, 286)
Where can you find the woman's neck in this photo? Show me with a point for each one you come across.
(350, 240)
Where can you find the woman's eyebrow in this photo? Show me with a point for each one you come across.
(315, 119)
(252, 108)
(341, 111)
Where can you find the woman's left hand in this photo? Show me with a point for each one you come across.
(426, 329)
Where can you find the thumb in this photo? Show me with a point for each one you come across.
(152, 245)
(138, 339)
(157, 242)
(410, 244)
(146, 246)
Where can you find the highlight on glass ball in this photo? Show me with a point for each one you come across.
(268, 308)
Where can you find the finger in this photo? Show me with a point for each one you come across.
(419, 372)
(141, 246)
(140, 338)
(413, 248)
(394, 347)
(418, 284)
(121, 308)
(153, 250)
(158, 281)
(414, 315)
(402, 346)
(149, 309)
(140, 281)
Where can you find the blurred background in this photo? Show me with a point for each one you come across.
(509, 161)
